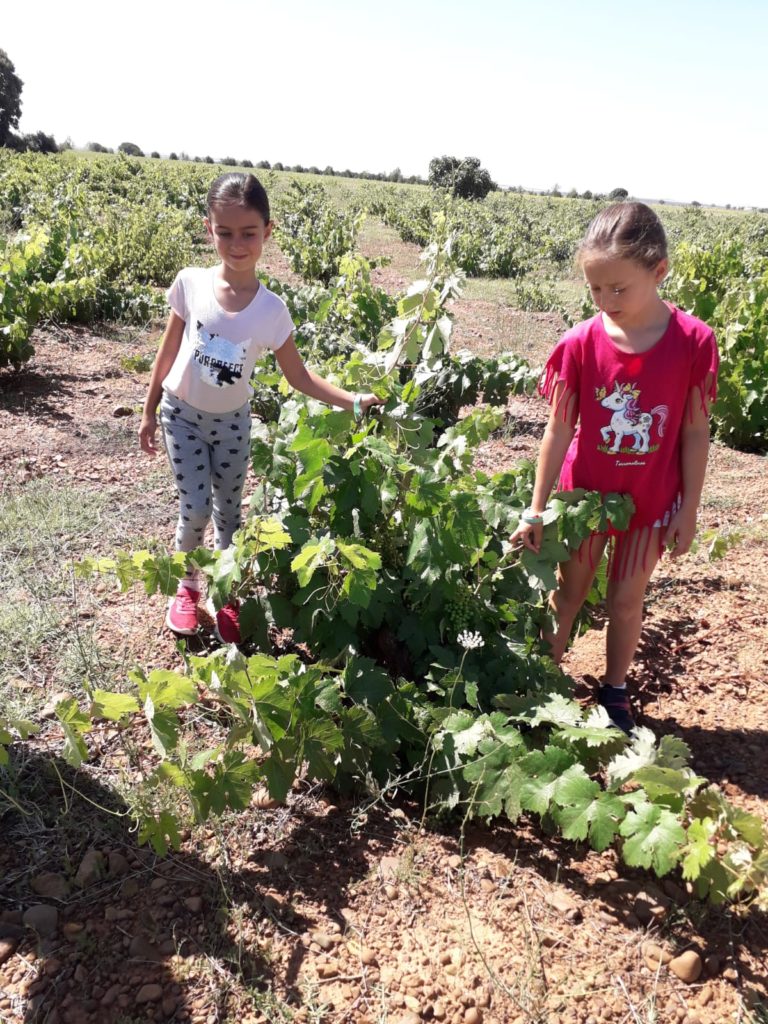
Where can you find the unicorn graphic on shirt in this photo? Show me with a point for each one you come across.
(628, 419)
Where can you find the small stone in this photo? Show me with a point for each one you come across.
(170, 1002)
(149, 994)
(158, 883)
(328, 970)
(49, 709)
(324, 941)
(655, 955)
(51, 886)
(565, 905)
(687, 967)
(129, 888)
(118, 864)
(7, 949)
(389, 867)
(712, 965)
(43, 919)
(111, 994)
(91, 869)
(194, 904)
(390, 891)
(454, 862)
(412, 1003)
(71, 929)
(122, 410)
(263, 800)
(706, 995)
(142, 949)
(731, 974)
(473, 1016)
(409, 1018)
(438, 1011)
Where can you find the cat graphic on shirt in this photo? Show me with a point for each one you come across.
(219, 360)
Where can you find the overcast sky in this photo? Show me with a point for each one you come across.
(665, 99)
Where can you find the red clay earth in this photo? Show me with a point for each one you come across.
(325, 910)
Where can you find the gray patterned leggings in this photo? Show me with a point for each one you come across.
(208, 453)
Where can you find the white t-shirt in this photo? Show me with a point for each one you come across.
(219, 349)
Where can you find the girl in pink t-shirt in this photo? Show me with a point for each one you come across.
(629, 391)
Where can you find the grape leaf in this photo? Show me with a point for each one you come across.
(654, 838)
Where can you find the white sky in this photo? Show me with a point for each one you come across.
(665, 99)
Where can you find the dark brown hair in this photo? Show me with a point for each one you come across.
(241, 190)
(629, 231)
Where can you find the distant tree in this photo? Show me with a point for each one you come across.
(573, 194)
(695, 203)
(464, 178)
(277, 167)
(586, 195)
(662, 202)
(555, 191)
(228, 161)
(96, 147)
(208, 160)
(130, 149)
(329, 172)
(172, 156)
(618, 195)
(246, 163)
(10, 97)
(39, 142)
(197, 159)
(298, 169)
(396, 175)
(183, 155)
(265, 165)
(66, 145)
(154, 155)
(313, 170)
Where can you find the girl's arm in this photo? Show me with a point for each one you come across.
(695, 451)
(558, 435)
(164, 360)
(299, 377)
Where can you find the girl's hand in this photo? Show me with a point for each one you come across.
(680, 532)
(366, 401)
(148, 433)
(527, 536)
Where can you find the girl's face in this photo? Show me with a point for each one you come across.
(238, 234)
(625, 290)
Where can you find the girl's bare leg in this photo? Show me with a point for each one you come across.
(574, 580)
(625, 605)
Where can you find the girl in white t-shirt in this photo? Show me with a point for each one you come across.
(222, 320)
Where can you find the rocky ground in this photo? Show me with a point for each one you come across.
(325, 910)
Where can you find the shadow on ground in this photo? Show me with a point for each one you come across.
(141, 925)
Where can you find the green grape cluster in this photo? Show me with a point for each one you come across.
(458, 612)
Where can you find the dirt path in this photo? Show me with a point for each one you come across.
(324, 910)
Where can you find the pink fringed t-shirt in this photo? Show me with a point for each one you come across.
(629, 410)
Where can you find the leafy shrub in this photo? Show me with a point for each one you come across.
(465, 178)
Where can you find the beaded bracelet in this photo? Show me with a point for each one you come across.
(357, 410)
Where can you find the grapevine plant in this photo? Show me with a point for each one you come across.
(415, 655)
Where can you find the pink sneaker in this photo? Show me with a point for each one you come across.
(226, 622)
(182, 612)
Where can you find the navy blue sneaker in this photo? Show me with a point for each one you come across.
(615, 700)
